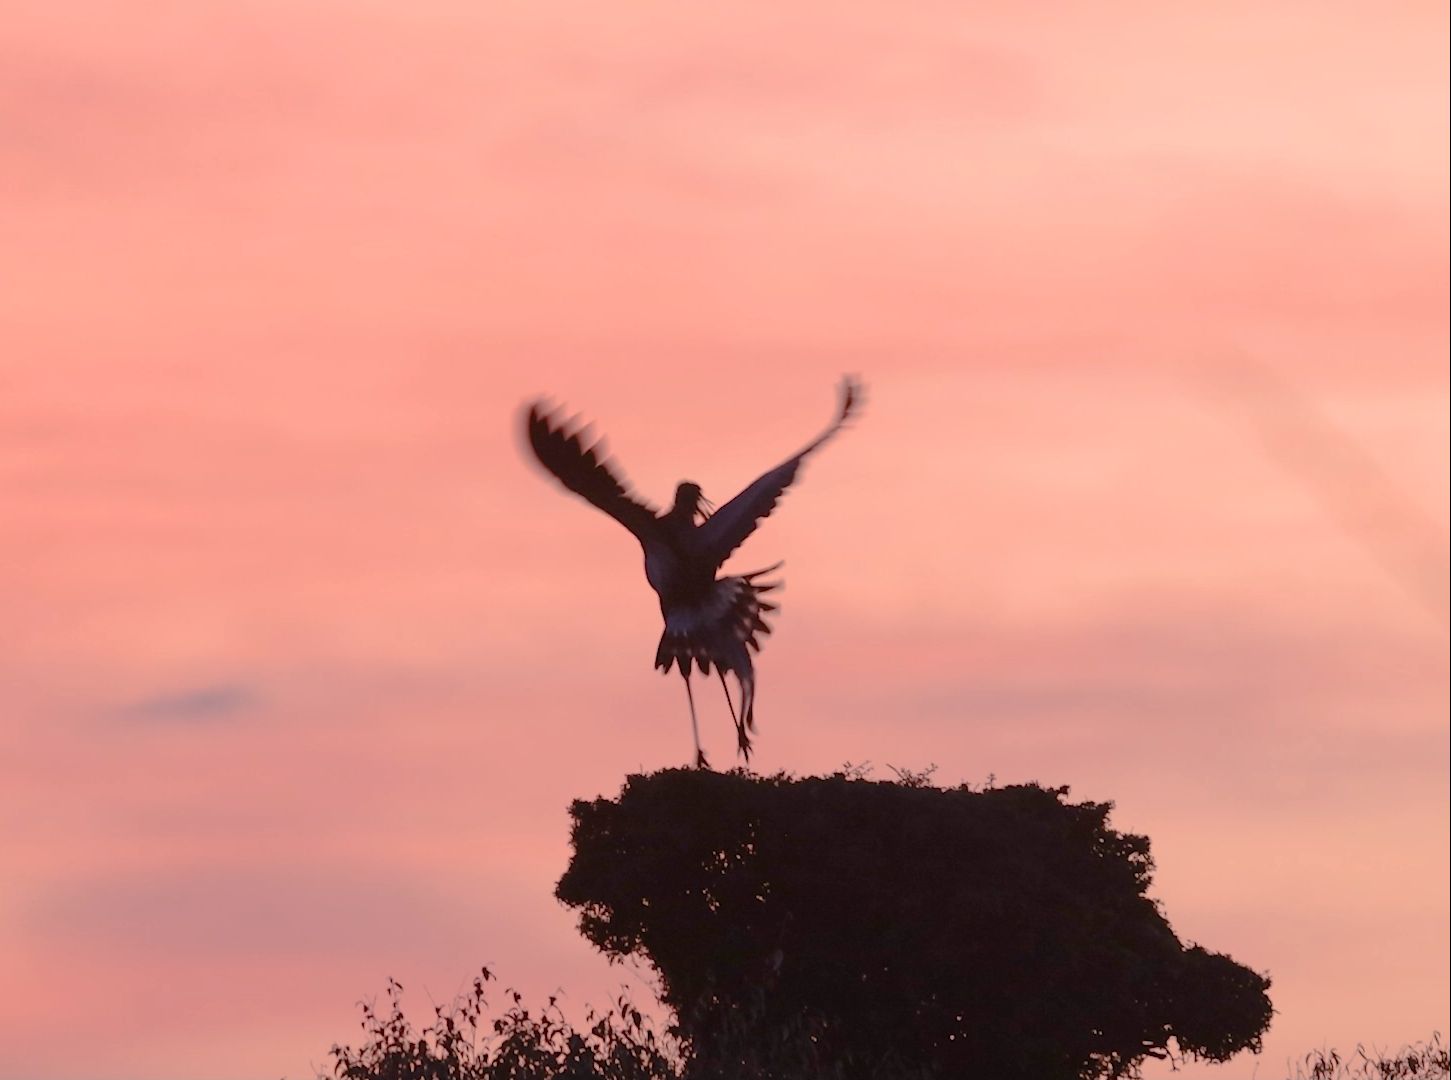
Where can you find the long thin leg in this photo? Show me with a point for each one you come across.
(743, 741)
(729, 705)
(700, 762)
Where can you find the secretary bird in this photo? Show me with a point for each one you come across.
(709, 620)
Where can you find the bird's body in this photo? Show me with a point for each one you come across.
(709, 620)
(670, 566)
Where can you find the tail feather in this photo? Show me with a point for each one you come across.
(723, 630)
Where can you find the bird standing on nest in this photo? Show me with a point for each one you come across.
(709, 620)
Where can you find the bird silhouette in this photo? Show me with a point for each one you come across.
(709, 620)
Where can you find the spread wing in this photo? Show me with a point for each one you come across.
(724, 531)
(585, 470)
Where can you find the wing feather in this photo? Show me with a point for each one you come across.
(727, 528)
(563, 447)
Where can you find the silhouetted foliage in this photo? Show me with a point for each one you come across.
(622, 1044)
(843, 927)
(1427, 1060)
(462, 1043)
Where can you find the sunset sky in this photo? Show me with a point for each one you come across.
(302, 661)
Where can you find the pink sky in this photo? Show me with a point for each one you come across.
(303, 662)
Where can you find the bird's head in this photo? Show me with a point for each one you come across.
(689, 501)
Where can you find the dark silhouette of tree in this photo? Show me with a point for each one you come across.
(898, 929)
(841, 929)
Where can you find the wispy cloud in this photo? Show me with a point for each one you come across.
(219, 701)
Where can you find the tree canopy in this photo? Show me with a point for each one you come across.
(899, 929)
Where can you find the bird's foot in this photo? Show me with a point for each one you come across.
(743, 742)
(700, 762)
